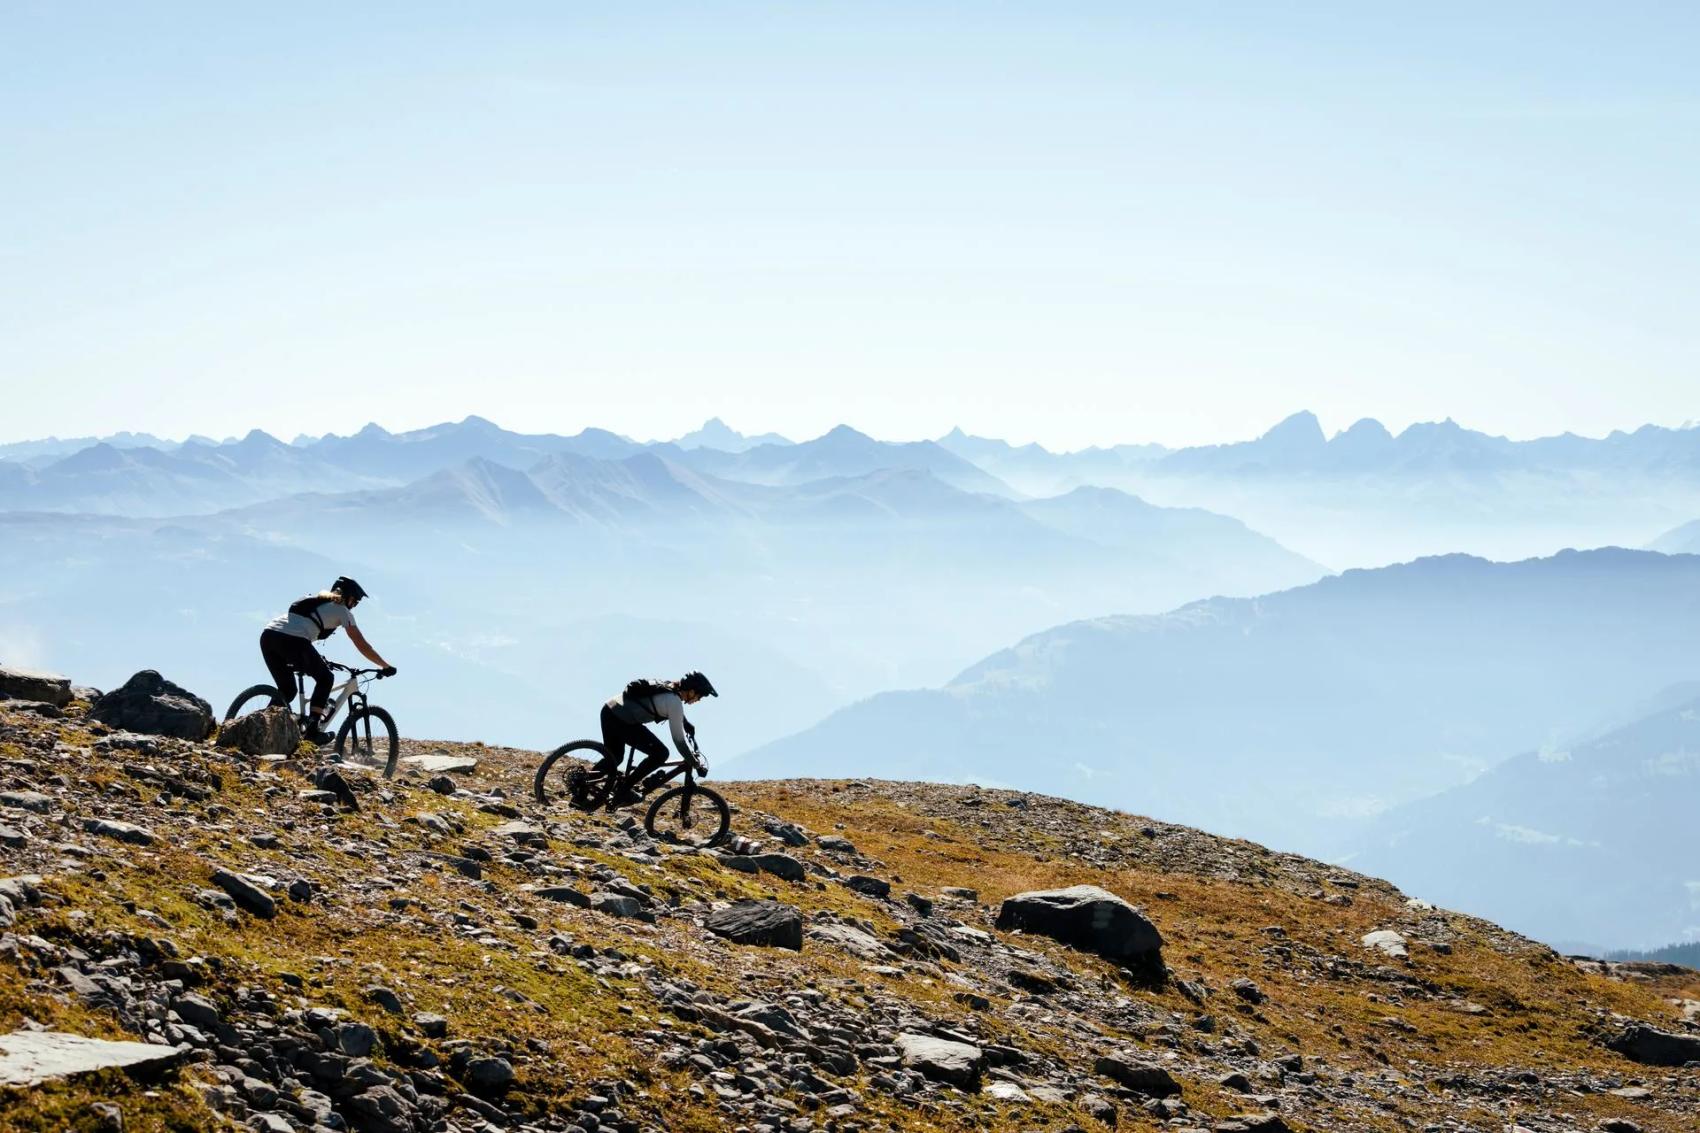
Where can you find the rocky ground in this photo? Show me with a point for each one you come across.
(453, 956)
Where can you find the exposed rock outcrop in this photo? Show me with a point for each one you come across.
(152, 705)
(1654, 1047)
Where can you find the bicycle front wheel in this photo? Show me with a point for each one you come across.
(368, 739)
(540, 784)
(253, 699)
(690, 816)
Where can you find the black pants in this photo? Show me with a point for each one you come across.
(287, 655)
(617, 733)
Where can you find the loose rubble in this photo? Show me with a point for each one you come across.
(306, 949)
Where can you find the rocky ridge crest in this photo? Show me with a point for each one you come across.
(452, 956)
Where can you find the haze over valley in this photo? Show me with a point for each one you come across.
(1103, 624)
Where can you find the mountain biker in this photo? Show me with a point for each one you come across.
(287, 646)
(649, 702)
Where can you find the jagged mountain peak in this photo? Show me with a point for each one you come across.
(1301, 428)
(1365, 428)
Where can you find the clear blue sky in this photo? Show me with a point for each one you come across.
(1068, 222)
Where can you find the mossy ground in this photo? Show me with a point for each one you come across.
(387, 917)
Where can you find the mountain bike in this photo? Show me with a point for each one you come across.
(689, 814)
(358, 742)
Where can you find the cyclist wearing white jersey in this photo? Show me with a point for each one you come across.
(287, 646)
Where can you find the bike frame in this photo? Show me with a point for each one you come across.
(662, 775)
(349, 690)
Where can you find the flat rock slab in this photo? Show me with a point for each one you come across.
(767, 923)
(852, 940)
(566, 895)
(942, 1059)
(27, 800)
(29, 1058)
(27, 684)
(1088, 918)
(441, 764)
(1387, 942)
(121, 831)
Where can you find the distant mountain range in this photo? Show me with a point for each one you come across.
(1290, 716)
(840, 585)
(195, 477)
(1592, 841)
(1368, 497)
(1298, 446)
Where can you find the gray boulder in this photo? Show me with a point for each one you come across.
(27, 684)
(489, 1076)
(17, 893)
(869, 886)
(942, 1059)
(780, 865)
(1653, 1047)
(620, 905)
(270, 731)
(767, 923)
(1137, 1075)
(152, 705)
(1090, 919)
(246, 893)
(381, 1109)
(119, 831)
(27, 800)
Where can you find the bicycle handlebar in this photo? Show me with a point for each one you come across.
(353, 672)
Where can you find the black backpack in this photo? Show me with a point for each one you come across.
(642, 687)
(308, 607)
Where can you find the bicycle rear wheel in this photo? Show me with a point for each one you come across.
(368, 739)
(252, 699)
(690, 816)
(540, 784)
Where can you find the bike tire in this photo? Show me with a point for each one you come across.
(539, 788)
(692, 815)
(357, 741)
(242, 705)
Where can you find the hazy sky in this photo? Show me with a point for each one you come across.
(1059, 221)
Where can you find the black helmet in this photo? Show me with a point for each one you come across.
(349, 588)
(694, 681)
